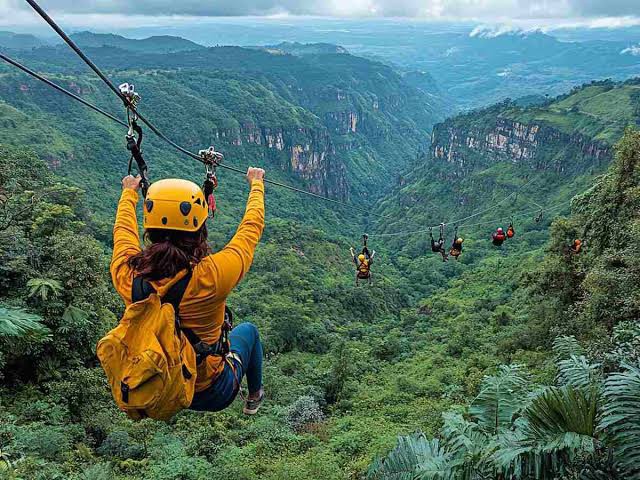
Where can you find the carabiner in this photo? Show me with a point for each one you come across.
(211, 157)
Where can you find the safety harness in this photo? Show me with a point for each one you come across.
(212, 160)
(436, 247)
(142, 289)
(134, 135)
(456, 248)
(364, 268)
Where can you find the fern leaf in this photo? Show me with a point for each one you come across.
(16, 322)
(621, 419)
(501, 397)
(566, 346)
(578, 372)
(43, 287)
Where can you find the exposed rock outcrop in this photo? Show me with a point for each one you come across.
(537, 145)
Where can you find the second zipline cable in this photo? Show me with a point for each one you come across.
(40, 11)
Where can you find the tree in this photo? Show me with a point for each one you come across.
(43, 288)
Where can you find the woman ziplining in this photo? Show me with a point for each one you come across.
(438, 246)
(363, 262)
(175, 347)
(456, 247)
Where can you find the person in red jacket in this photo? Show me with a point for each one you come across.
(498, 237)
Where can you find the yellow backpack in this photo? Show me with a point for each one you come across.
(149, 362)
(364, 269)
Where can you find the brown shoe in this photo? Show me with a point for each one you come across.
(251, 406)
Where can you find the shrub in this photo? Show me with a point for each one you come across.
(303, 412)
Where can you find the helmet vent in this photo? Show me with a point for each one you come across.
(185, 208)
(195, 222)
(198, 201)
(149, 205)
(164, 220)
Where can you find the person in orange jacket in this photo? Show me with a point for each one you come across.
(576, 246)
(174, 220)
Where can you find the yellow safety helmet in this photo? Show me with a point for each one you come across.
(174, 204)
(460, 240)
(361, 257)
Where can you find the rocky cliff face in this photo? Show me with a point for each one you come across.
(306, 152)
(536, 145)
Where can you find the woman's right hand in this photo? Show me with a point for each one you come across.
(131, 182)
(254, 173)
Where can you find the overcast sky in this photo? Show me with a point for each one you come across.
(607, 12)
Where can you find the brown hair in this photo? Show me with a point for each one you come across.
(169, 252)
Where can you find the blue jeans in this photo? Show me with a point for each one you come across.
(245, 342)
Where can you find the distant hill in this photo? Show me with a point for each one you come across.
(157, 44)
(20, 41)
(296, 48)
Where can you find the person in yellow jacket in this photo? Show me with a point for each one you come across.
(174, 219)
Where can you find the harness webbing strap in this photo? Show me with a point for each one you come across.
(142, 289)
(133, 146)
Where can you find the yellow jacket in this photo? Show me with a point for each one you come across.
(202, 307)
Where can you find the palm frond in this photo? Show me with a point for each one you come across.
(555, 429)
(42, 288)
(566, 346)
(17, 323)
(73, 318)
(578, 372)
(414, 458)
(621, 418)
(470, 447)
(501, 397)
(561, 414)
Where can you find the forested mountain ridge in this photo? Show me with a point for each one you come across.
(332, 120)
(482, 156)
(20, 40)
(155, 44)
(569, 133)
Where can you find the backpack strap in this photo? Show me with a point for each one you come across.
(220, 348)
(141, 289)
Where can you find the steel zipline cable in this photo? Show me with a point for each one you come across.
(60, 89)
(459, 222)
(40, 11)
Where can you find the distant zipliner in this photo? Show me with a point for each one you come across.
(576, 247)
(511, 231)
(363, 262)
(498, 237)
(456, 247)
(438, 246)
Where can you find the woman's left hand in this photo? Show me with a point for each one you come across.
(131, 182)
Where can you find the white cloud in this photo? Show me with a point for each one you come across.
(632, 50)
(518, 13)
(492, 31)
